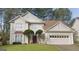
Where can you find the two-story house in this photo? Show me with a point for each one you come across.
(56, 32)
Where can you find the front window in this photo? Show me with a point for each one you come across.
(18, 37)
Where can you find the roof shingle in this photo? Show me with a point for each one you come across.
(50, 23)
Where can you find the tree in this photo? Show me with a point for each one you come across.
(29, 33)
(62, 14)
(10, 13)
(38, 33)
(42, 12)
(72, 21)
(24, 10)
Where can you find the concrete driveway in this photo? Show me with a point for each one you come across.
(74, 47)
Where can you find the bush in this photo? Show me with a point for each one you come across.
(39, 32)
(17, 43)
(4, 38)
(4, 42)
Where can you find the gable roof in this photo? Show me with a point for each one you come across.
(51, 24)
(72, 22)
(15, 18)
(76, 24)
(32, 18)
(28, 17)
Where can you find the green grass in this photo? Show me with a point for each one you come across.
(30, 47)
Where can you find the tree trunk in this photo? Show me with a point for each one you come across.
(38, 39)
(28, 40)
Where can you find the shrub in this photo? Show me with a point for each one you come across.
(4, 38)
(4, 42)
(39, 32)
(17, 43)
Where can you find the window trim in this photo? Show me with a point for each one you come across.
(58, 36)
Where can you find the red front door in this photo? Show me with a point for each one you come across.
(34, 39)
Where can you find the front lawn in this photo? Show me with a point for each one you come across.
(30, 47)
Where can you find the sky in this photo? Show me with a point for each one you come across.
(75, 12)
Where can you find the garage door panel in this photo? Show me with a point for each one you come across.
(58, 41)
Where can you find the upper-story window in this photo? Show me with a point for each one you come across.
(18, 26)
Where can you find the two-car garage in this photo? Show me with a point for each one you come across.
(60, 38)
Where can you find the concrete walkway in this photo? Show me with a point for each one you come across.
(74, 47)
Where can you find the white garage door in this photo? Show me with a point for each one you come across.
(60, 39)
